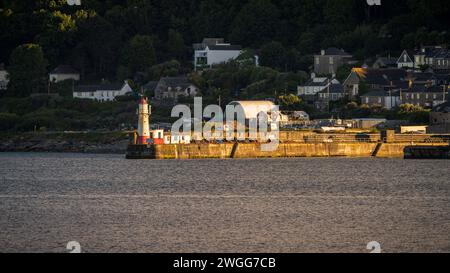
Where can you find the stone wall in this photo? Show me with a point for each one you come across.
(253, 150)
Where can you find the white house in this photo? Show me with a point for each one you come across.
(103, 92)
(62, 73)
(315, 85)
(405, 61)
(4, 80)
(213, 51)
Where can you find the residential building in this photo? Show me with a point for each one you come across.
(102, 92)
(174, 87)
(435, 57)
(405, 60)
(314, 85)
(422, 78)
(441, 79)
(441, 61)
(150, 86)
(62, 73)
(383, 98)
(214, 51)
(425, 96)
(329, 60)
(383, 79)
(4, 78)
(385, 62)
(333, 92)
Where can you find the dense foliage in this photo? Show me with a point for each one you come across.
(114, 40)
(102, 37)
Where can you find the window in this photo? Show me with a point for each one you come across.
(317, 60)
(367, 100)
(379, 100)
(331, 60)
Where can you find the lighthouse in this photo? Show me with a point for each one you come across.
(143, 125)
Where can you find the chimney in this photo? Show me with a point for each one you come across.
(322, 52)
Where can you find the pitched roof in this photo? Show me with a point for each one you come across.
(99, 87)
(421, 88)
(334, 88)
(408, 54)
(383, 76)
(213, 41)
(64, 69)
(224, 47)
(312, 82)
(151, 85)
(379, 93)
(443, 107)
(388, 61)
(175, 82)
(431, 51)
(336, 51)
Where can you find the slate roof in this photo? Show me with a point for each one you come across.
(383, 76)
(99, 87)
(443, 107)
(379, 93)
(388, 61)
(215, 44)
(334, 88)
(224, 47)
(64, 69)
(213, 41)
(311, 82)
(336, 52)
(421, 88)
(151, 85)
(175, 82)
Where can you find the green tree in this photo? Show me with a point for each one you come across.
(289, 101)
(175, 45)
(141, 53)
(27, 70)
(273, 55)
(256, 23)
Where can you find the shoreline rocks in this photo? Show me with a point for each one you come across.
(63, 146)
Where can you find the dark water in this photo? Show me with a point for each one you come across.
(110, 204)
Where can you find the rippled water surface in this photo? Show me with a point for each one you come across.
(110, 204)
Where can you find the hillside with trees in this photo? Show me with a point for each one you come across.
(113, 40)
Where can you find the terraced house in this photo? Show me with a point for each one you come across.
(425, 96)
(436, 57)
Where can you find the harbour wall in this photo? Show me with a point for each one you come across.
(254, 150)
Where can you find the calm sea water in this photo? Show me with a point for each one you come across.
(109, 204)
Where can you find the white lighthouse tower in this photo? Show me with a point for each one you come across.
(143, 125)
